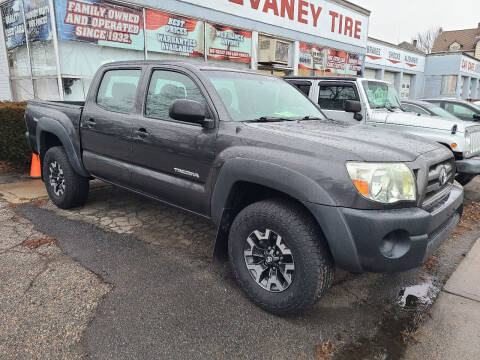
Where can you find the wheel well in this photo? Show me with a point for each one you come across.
(47, 141)
(458, 155)
(241, 195)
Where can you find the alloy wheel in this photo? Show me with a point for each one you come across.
(269, 261)
(56, 178)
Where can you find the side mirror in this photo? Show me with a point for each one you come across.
(352, 106)
(357, 116)
(189, 111)
(476, 116)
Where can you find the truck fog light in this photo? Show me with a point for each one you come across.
(395, 244)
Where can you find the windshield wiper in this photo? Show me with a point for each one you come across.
(308, 117)
(265, 119)
(389, 106)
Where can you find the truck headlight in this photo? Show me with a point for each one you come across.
(468, 145)
(383, 182)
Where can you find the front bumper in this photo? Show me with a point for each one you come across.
(469, 166)
(387, 240)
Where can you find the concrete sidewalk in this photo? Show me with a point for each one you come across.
(453, 331)
(21, 192)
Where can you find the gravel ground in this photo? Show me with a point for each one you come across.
(46, 298)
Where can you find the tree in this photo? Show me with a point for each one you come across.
(426, 39)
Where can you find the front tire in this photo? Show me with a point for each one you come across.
(65, 187)
(279, 256)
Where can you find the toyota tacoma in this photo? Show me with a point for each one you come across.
(292, 193)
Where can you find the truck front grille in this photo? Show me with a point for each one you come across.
(440, 180)
(475, 142)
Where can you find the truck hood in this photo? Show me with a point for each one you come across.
(430, 122)
(357, 142)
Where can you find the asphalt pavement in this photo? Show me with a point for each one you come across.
(167, 304)
(128, 278)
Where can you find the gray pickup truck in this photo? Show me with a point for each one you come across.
(376, 103)
(292, 193)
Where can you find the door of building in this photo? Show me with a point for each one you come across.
(389, 77)
(406, 84)
(370, 74)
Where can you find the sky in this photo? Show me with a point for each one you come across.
(400, 20)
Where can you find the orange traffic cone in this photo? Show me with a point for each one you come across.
(35, 172)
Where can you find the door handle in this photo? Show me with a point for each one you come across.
(141, 133)
(91, 123)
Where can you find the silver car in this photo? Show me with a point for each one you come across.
(460, 108)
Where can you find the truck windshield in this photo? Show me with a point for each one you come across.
(250, 97)
(381, 95)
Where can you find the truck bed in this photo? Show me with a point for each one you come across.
(62, 111)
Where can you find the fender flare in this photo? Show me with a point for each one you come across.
(47, 125)
(276, 177)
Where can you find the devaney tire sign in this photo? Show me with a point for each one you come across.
(316, 17)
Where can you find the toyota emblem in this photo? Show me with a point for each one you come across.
(443, 177)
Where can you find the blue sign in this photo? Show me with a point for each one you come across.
(13, 23)
(38, 20)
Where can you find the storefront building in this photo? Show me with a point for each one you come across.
(54, 47)
(5, 94)
(405, 69)
(452, 75)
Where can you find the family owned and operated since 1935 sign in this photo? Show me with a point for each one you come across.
(96, 21)
(37, 21)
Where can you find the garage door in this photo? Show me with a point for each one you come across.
(406, 84)
(370, 74)
(389, 77)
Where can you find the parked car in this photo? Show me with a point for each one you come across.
(460, 108)
(291, 193)
(376, 103)
(420, 107)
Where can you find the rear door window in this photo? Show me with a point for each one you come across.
(334, 96)
(459, 110)
(415, 109)
(118, 90)
(303, 86)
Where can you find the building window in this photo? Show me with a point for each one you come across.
(30, 49)
(455, 47)
(449, 84)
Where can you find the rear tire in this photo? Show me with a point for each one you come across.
(464, 179)
(65, 187)
(289, 265)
